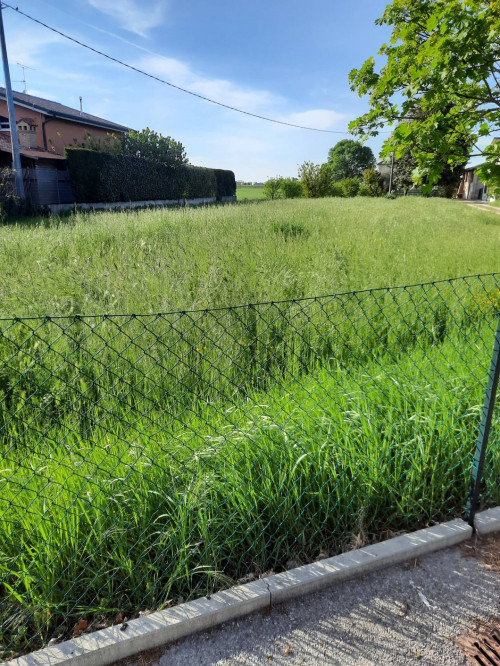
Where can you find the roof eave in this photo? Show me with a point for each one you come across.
(66, 116)
(83, 120)
(475, 166)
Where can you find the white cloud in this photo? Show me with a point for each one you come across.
(253, 100)
(318, 118)
(254, 149)
(180, 74)
(134, 17)
(25, 46)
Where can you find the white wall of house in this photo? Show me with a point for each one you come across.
(474, 188)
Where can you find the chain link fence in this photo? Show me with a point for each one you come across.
(150, 459)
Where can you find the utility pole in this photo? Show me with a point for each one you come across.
(392, 170)
(16, 157)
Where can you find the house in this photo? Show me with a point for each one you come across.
(384, 169)
(50, 126)
(45, 128)
(471, 188)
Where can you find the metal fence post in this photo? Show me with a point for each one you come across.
(484, 429)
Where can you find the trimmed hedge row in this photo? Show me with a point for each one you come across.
(105, 178)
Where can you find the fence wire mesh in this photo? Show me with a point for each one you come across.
(148, 459)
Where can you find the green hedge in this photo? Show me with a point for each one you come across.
(226, 183)
(102, 177)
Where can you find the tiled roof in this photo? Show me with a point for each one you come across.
(57, 110)
(6, 147)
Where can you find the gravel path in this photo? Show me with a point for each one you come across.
(406, 614)
(483, 206)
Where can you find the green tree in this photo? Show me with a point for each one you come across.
(348, 159)
(350, 186)
(291, 188)
(336, 190)
(154, 146)
(489, 172)
(272, 188)
(405, 167)
(315, 179)
(440, 76)
(402, 174)
(111, 144)
(372, 182)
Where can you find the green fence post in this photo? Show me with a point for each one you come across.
(484, 429)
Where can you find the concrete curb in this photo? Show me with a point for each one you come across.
(56, 209)
(487, 521)
(109, 645)
(311, 577)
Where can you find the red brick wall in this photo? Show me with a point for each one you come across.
(59, 133)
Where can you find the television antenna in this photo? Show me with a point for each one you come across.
(23, 80)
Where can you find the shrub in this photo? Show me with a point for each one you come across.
(291, 188)
(315, 179)
(199, 181)
(365, 190)
(350, 186)
(153, 146)
(282, 188)
(10, 204)
(13, 206)
(373, 182)
(336, 190)
(272, 188)
(102, 177)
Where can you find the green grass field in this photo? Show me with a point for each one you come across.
(161, 260)
(250, 193)
(148, 459)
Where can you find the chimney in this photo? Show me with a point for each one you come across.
(81, 105)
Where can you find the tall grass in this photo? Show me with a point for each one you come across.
(162, 260)
(145, 460)
(151, 458)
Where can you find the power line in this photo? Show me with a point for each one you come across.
(160, 80)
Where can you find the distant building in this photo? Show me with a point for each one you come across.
(48, 126)
(45, 129)
(471, 188)
(384, 169)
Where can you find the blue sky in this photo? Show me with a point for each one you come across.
(286, 60)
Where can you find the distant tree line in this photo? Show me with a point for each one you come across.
(350, 171)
